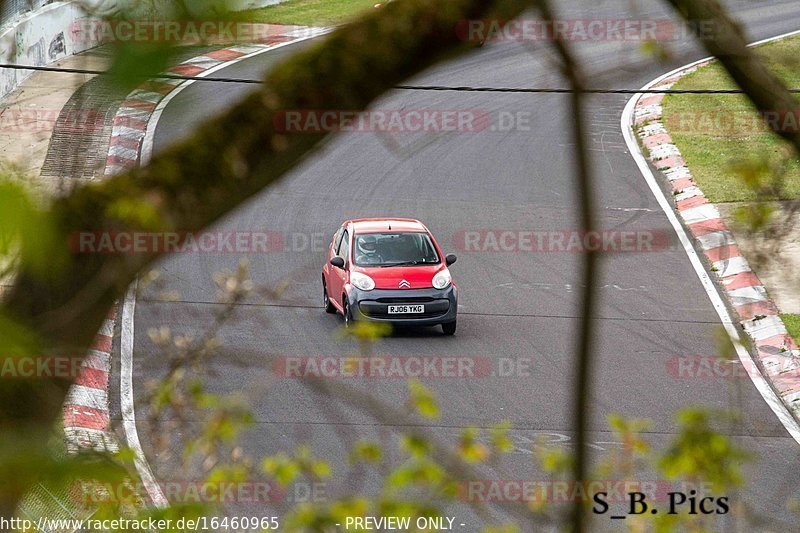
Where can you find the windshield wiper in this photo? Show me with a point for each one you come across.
(403, 263)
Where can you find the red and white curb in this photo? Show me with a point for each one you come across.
(86, 409)
(133, 115)
(776, 352)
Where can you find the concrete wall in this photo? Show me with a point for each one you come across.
(197, 8)
(48, 34)
(38, 38)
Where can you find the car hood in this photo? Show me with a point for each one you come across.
(418, 277)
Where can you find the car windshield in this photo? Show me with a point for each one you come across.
(394, 249)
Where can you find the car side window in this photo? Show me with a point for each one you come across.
(337, 239)
(344, 247)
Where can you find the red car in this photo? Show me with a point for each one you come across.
(389, 270)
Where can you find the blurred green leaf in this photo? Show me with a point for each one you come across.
(281, 467)
(699, 453)
(554, 461)
(16, 339)
(366, 452)
(136, 212)
(506, 528)
(500, 439)
(470, 450)
(417, 471)
(136, 61)
(423, 400)
(415, 445)
(27, 231)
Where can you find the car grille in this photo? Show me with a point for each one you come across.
(380, 308)
(409, 300)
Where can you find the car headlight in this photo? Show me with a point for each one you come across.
(442, 279)
(362, 281)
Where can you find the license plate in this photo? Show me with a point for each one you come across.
(406, 309)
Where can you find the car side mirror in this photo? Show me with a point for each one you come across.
(449, 259)
(338, 262)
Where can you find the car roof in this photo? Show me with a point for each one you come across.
(379, 225)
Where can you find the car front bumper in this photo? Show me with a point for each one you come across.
(441, 305)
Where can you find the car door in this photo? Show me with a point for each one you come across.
(338, 276)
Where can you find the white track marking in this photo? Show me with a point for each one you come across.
(761, 384)
(129, 305)
(126, 400)
(147, 143)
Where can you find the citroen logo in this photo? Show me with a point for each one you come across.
(405, 284)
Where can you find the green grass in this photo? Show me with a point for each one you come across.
(309, 12)
(792, 323)
(719, 135)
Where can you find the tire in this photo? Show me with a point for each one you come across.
(326, 301)
(449, 328)
(348, 316)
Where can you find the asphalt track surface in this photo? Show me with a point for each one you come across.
(517, 305)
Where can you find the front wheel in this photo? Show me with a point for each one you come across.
(449, 328)
(326, 301)
(348, 317)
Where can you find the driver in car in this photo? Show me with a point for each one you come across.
(368, 250)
